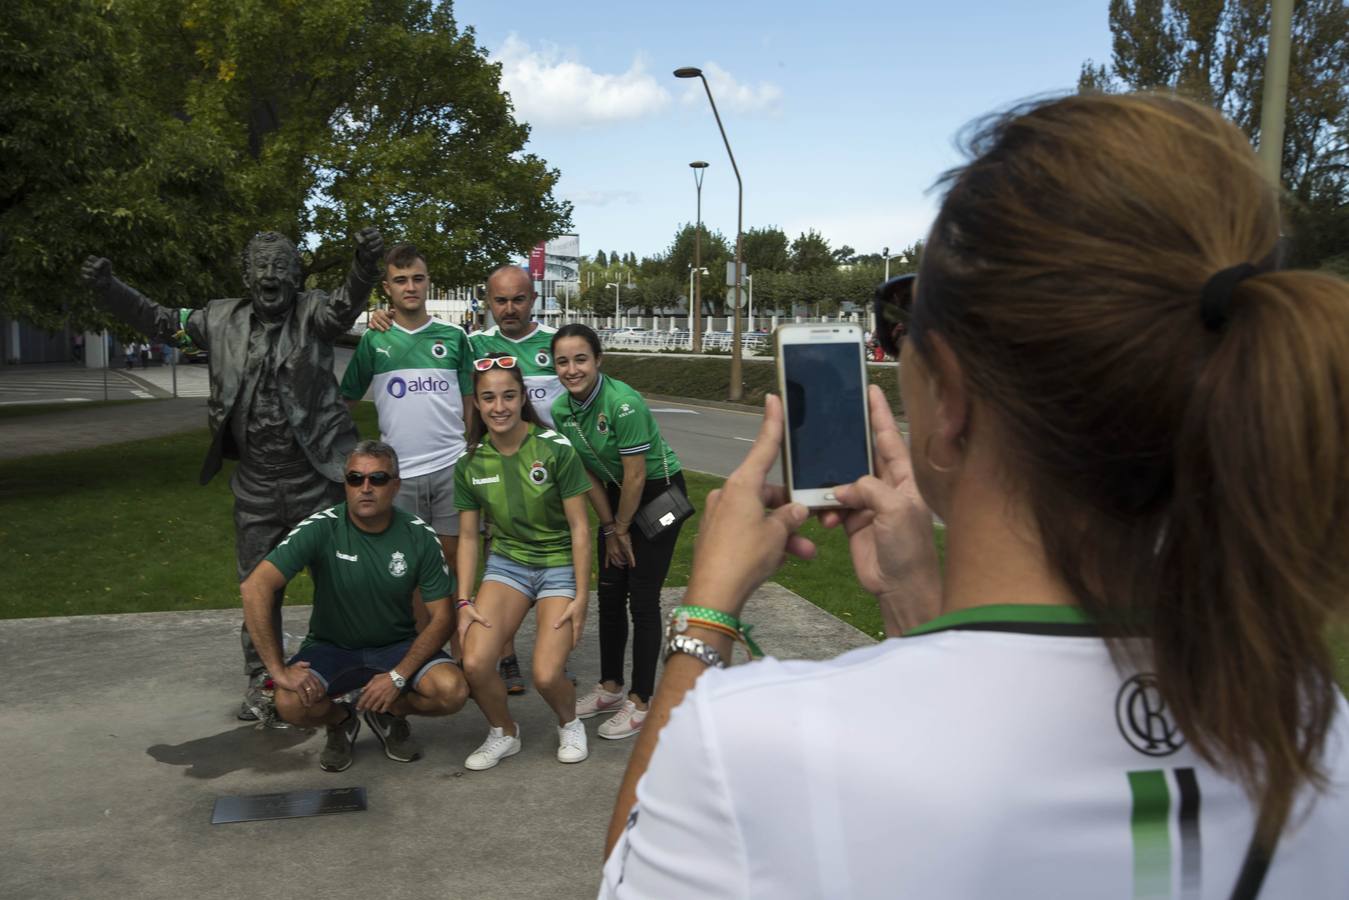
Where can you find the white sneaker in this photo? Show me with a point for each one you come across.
(497, 747)
(571, 742)
(598, 701)
(625, 723)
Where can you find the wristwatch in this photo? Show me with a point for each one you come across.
(398, 680)
(682, 643)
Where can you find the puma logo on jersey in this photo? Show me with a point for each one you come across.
(385, 351)
(490, 479)
(349, 557)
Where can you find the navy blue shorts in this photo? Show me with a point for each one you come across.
(342, 670)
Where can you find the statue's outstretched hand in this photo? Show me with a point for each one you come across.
(96, 272)
(369, 247)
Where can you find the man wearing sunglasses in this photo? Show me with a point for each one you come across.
(274, 402)
(422, 379)
(366, 558)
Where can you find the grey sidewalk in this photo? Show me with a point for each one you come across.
(80, 429)
(119, 735)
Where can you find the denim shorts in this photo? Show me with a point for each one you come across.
(342, 670)
(532, 581)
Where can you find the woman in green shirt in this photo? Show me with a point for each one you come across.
(613, 430)
(530, 482)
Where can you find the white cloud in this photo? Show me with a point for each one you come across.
(548, 88)
(734, 95)
(603, 198)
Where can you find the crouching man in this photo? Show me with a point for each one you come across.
(366, 558)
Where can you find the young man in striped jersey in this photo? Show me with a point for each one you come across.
(421, 370)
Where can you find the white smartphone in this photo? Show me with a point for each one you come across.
(823, 383)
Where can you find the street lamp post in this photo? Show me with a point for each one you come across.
(885, 251)
(614, 285)
(737, 387)
(750, 318)
(696, 290)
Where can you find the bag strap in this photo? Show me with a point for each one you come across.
(581, 433)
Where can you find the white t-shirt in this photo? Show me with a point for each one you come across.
(999, 754)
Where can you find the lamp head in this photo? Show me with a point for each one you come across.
(885, 251)
(697, 164)
(688, 72)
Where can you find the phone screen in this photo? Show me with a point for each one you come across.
(826, 419)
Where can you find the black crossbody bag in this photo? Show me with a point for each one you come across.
(659, 514)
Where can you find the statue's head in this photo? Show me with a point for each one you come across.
(271, 272)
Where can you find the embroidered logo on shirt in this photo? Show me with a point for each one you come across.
(537, 473)
(1143, 719)
(490, 479)
(602, 424)
(385, 351)
(398, 565)
(624, 410)
(542, 359)
(438, 350)
(352, 557)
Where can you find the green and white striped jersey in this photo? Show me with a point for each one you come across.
(614, 422)
(419, 379)
(534, 355)
(522, 495)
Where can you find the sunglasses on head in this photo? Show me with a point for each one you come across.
(501, 362)
(894, 300)
(378, 479)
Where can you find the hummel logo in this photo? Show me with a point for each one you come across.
(348, 557)
(492, 479)
(385, 351)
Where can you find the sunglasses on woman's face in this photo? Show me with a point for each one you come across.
(894, 300)
(377, 479)
(501, 362)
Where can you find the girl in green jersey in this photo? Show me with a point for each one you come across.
(529, 481)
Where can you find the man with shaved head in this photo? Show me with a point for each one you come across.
(510, 297)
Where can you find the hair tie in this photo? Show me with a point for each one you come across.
(1217, 295)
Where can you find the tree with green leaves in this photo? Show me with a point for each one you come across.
(766, 250)
(811, 253)
(601, 260)
(204, 122)
(1213, 51)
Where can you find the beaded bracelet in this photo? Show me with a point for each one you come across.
(462, 603)
(686, 613)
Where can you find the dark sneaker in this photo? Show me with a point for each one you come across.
(336, 755)
(509, 667)
(258, 702)
(393, 732)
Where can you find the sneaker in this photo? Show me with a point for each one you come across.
(336, 755)
(258, 702)
(625, 723)
(497, 747)
(598, 701)
(393, 732)
(571, 742)
(509, 667)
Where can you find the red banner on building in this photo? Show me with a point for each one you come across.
(536, 262)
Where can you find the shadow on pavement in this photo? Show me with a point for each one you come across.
(246, 747)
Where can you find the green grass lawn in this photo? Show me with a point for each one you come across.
(126, 528)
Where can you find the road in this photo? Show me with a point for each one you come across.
(54, 383)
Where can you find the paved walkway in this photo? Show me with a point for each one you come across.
(118, 736)
(79, 428)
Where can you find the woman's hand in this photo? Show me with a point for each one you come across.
(746, 530)
(889, 529)
(468, 614)
(618, 550)
(380, 319)
(574, 615)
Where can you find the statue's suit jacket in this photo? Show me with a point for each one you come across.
(303, 357)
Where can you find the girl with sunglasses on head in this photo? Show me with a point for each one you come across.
(1136, 431)
(530, 482)
(612, 428)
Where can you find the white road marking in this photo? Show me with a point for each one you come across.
(48, 400)
(746, 440)
(691, 412)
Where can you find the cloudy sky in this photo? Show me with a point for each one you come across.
(841, 114)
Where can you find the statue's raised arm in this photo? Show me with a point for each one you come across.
(345, 305)
(135, 309)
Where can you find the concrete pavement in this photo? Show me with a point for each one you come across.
(118, 735)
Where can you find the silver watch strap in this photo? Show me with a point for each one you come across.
(698, 649)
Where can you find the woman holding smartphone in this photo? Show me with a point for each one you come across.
(1135, 428)
(530, 482)
(612, 428)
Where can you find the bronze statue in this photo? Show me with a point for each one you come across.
(274, 403)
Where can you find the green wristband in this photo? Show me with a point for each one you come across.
(687, 611)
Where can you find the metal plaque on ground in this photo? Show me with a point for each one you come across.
(288, 805)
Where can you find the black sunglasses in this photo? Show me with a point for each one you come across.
(378, 479)
(894, 300)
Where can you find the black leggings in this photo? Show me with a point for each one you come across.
(635, 588)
